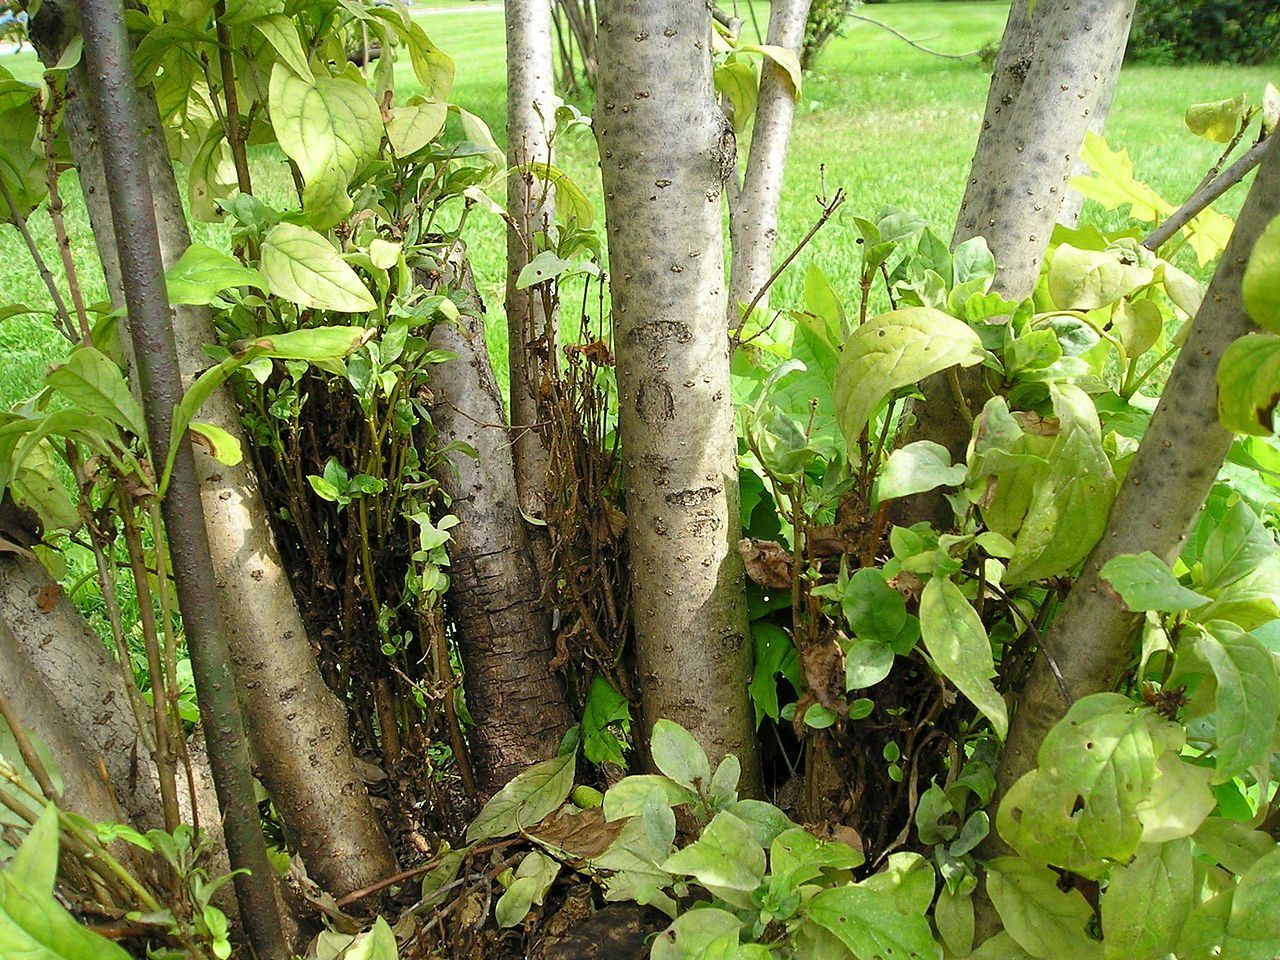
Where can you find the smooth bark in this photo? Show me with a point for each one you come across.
(666, 150)
(112, 93)
(519, 706)
(753, 218)
(531, 328)
(1054, 64)
(297, 726)
(1091, 640)
(74, 754)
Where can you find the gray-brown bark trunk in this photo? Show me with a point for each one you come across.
(1162, 494)
(1053, 66)
(531, 329)
(519, 706)
(297, 726)
(753, 220)
(665, 151)
(70, 690)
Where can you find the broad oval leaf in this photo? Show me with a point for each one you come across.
(894, 350)
(34, 926)
(1217, 121)
(1261, 285)
(1147, 902)
(677, 754)
(1145, 582)
(727, 855)
(880, 918)
(93, 383)
(1080, 808)
(415, 125)
(1039, 915)
(523, 802)
(917, 467)
(202, 273)
(302, 266)
(571, 203)
(957, 641)
(1246, 699)
(1088, 279)
(329, 127)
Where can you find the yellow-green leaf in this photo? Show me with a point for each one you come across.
(302, 266)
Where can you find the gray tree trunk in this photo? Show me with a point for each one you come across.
(665, 152)
(1091, 639)
(70, 690)
(1053, 67)
(1073, 203)
(531, 331)
(297, 726)
(753, 218)
(519, 706)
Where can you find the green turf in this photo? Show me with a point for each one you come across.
(889, 124)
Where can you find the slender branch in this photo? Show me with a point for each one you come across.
(827, 211)
(971, 55)
(27, 750)
(1199, 200)
(234, 135)
(65, 327)
(114, 102)
(59, 225)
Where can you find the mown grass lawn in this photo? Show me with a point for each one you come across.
(890, 125)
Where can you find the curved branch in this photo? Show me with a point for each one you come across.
(1201, 199)
(971, 55)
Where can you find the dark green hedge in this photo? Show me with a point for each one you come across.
(1206, 31)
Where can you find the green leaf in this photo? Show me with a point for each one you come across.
(957, 641)
(775, 655)
(796, 857)
(894, 350)
(1232, 844)
(34, 926)
(330, 127)
(571, 203)
(1247, 698)
(283, 36)
(736, 80)
(211, 176)
(605, 708)
(917, 467)
(1088, 279)
(222, 446)
(1179, 800)
(303, 267)
(1074, 495)
(1217, 121)
(202, 273)
(1038, 914)
(701, 934)
(526, 800)
(37, 486)
(1080, 808)
(1137, 324)
(1249, 384)
(1147, 902)
(434, 68)
(876, 611)
(415, 125)
(679, 756)
(1261, 285)
(93, 383)
(1253, 928)
(545, 266)
(1145, 582)
(953, 915)
(764, 820)
(630, 795)
(533, 879)
(35, 865)
(726, 855)
(1238, 545)
(784, 58)
(866, 663)
(882, 917)
(378, 943)
(632, 860)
